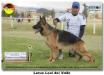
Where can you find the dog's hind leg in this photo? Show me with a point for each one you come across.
(77, 56)
(81, 49)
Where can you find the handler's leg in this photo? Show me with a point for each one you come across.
(60, 56)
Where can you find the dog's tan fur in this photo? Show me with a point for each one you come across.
(51, 39)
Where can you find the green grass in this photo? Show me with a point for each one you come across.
(22, 36)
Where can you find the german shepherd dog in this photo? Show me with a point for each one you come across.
(59, 39)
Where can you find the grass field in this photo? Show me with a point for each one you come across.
(19, 38)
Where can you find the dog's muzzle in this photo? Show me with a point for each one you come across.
(37, 30)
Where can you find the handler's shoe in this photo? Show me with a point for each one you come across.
(61, 56)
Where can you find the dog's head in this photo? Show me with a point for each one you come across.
(41, 24)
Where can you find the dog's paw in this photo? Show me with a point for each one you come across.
(92, 61)
(52, 61)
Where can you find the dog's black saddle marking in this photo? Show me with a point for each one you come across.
(67, 37)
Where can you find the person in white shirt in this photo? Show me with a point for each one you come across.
(75, 24)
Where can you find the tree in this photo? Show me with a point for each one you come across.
(52, 13)
(85, 11)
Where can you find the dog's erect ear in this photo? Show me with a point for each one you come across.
(44, 20)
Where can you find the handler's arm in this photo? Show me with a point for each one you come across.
(82, 29)
(82, 26)
(59, 19)
(55, 21)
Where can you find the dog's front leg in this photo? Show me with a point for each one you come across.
(53, 54)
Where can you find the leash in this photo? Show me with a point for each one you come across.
(55, 23)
